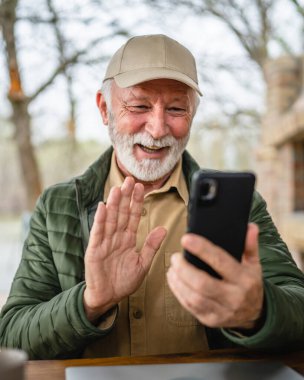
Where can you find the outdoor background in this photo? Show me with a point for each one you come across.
(52, 61)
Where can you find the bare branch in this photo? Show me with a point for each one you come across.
(62, 51)
(255, 42)
(65, 61)
(36, 19)
(236, 16)
(239, 34)
(299, 7)
(75, 58)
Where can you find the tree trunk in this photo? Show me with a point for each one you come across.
(21, 117)
(27, 159)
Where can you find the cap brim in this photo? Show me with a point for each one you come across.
(134, 77)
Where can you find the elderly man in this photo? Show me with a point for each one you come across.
(102, 272)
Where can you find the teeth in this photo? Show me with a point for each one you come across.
(152, 147)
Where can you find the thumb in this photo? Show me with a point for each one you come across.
(251, 252)
(151, 245)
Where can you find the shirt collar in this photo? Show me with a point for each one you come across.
(175, 181)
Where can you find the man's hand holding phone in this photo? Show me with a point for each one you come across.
(233, 301)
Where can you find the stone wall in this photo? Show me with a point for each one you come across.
(281, 154)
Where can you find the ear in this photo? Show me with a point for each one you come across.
(102, 106)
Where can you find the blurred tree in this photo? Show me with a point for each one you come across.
(254, 25)
(20, 103)
(299, 6)
(252, 22)
(16, 17)
(300, 9)
(51, 42)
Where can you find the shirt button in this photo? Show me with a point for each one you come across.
(137, 314)
(143, 212)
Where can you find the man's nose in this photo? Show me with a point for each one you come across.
(156, 124)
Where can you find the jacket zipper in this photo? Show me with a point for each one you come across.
(83, 215)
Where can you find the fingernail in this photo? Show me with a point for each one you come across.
(174, 259)
(193, 240)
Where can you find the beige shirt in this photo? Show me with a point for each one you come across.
(151, 321)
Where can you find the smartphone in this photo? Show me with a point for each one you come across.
(219, 208)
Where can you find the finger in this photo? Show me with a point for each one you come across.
(207, 311)
(112, 212)
(136, 207)
(199, 281)
(151, 245)
(96, 234)
(241, 299)
(251, 253)
(219, 260)
(124, 205)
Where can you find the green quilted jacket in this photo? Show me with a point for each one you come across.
(44, 313)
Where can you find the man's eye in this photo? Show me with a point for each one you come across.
(138, 108)
(177, 110)
(142, 107)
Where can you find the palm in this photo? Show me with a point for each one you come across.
(121, 270)
(114, 268)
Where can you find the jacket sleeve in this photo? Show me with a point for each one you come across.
(39, 317)
(283, 290)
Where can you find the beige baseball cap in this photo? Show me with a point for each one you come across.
(149, 57)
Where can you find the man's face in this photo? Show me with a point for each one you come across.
(149, 126)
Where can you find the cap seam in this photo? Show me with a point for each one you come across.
(123, 53)
(165, 51)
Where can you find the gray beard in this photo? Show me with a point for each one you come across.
(147, 169)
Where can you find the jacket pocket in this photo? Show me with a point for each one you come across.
(175, 313)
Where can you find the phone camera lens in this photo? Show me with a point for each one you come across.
(205, 189)
(208, 189)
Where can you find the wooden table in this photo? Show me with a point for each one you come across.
(55, 369)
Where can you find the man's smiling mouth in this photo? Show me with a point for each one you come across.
(152, 149)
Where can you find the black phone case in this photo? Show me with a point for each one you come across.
(223, 218)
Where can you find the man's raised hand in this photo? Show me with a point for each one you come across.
(114, 268)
